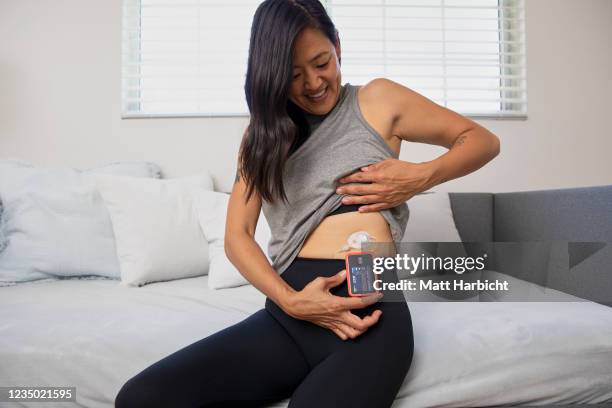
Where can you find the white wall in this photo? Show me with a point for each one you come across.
(60, 100)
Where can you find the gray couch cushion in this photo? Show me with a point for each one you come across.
(537, 235)
(558, 218)
(473, 213)
(573, 214)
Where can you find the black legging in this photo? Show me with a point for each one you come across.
(270, 356)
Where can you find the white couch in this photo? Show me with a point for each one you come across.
(94, 333)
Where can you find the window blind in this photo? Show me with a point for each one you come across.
(185, 57)
(467, 55)
(188, 57)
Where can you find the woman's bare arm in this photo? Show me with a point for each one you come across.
(410, 116)
(418, 119)
(243, 251)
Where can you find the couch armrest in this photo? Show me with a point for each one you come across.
(573, 214)
(473, 215)
(559, 217)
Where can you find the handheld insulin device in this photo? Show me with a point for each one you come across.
(360, 273)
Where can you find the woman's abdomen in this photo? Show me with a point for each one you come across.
(329, 238)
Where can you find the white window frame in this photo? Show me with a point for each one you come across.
(512, 56)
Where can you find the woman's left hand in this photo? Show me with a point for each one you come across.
(392, 182)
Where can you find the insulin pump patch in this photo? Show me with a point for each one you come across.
(356, 239)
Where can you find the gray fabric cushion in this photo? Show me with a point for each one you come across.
(558, 218)
(536, 235)
(573, 214)
(473, 214)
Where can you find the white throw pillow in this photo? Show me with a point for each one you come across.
(212, 212)
(156, 229)
(430, 223)
(431, 219)
(54, 223)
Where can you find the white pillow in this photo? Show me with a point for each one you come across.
(54, 222)
(156, 229)
(212, 211)
(431, 219)
(430, 222)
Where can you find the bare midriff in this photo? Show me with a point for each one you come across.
(327, 240)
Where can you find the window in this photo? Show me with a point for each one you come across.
(188, 57)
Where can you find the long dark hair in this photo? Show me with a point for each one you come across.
(276, 123)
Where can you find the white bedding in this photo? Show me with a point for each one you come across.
(96, 334)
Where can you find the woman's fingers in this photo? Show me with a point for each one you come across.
(359, 323)
(355, 326)
(362, 199)
(349, 331)
(372, 319)
(352, 325)
(359, 302)
(339, 333)
(354, 321)
(336, 279)
(336, 316)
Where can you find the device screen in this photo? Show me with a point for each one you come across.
(360, 274)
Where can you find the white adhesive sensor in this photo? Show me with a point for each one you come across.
(355, 240)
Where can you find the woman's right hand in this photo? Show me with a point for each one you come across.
(315, 303)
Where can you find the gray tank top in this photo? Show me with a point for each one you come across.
(338, 145)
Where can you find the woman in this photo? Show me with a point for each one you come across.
(311, 342)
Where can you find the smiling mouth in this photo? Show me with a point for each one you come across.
(318, 97)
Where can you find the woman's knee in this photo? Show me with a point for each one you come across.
(138, 392)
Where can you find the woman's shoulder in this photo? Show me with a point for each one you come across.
(381, 92)
(377, 104)
(378, 85)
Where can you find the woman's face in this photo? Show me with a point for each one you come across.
(315, 86)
